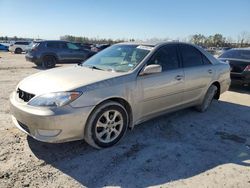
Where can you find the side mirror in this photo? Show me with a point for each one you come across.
(151, 69)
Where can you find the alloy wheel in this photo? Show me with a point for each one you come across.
(109, 126)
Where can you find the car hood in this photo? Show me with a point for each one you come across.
(63, 79)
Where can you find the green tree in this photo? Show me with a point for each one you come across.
(198, 39)
(219, 40)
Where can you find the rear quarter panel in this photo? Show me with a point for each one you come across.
(223, 76)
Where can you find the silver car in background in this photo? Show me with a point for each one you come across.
(123, 85)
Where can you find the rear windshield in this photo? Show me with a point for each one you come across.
(35, 44)
(236, 54)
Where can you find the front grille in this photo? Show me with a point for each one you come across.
(25, 96)
(24, 127)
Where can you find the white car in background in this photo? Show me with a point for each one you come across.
(20, 46)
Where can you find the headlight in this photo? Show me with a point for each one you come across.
(54, 99)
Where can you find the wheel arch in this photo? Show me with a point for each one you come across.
(217, 84)
(18, 48)
(50, 54)
(124, 103)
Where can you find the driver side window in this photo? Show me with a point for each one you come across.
(167, 57)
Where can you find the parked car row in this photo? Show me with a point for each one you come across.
(216, 50)
(100, 47)
(4, 47)
(24, 46)
(49, 53)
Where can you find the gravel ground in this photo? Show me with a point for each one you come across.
(182, 149)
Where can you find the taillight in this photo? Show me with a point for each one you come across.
(247, 68)
(34, 49)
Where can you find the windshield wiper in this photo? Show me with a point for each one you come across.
(93, 67)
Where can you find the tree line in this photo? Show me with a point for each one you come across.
(15, 38)
(218, 40)
(87, 40)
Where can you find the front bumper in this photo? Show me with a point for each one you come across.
(49, 125)
(240, 78)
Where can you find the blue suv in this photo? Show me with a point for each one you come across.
(48, 53)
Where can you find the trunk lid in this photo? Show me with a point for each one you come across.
(237, 65)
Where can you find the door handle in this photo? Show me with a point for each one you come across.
(210, 71)
(178, 77)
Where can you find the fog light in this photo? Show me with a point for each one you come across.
(48, 133)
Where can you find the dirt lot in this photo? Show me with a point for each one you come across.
(182, 149)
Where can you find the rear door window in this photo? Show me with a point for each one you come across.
(53, 45)
(190, 56)
(205, 60)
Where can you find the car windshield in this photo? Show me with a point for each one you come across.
(118, 58)
(236, 54)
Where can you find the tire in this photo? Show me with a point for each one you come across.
(207, 99)
(38, 64)
(106, 125)
(48, 62)
(18, 51)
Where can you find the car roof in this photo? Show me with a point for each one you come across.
(155, 44)
(50, 41)
(22, 41)
(159, 44)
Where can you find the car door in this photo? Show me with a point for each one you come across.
(54, 48)
(198, 72)
(162, 91)
(63, 52)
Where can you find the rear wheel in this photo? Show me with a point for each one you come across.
(18, 51)
(106, 125)
(49, 62)
(207, 99)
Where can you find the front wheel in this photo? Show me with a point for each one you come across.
(18, 51)
(106, 125)
(207, 99)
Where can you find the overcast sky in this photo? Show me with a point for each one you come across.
(139, 19)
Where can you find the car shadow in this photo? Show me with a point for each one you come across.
(168, 148)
